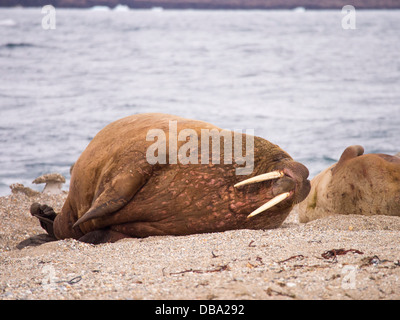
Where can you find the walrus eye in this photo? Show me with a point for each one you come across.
(260, 178)
(270, 204)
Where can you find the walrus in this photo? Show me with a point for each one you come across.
(116, 191)
(365, 184)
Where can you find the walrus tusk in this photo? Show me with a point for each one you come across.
(260, 178)
(270, 203)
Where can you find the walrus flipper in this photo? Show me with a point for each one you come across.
(116, 194)
(46, 216)
(348, 154)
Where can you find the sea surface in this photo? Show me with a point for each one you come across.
(297, 78)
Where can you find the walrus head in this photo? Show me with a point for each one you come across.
(288, 182)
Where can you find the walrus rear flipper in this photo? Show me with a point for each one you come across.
(116, 194)
(46, 216)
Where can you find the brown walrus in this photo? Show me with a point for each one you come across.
(116, 192)
(357, 184)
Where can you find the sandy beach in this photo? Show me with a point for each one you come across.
(340, 257)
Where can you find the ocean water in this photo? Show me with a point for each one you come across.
(297, 78)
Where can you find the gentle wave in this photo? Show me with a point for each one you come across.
(17, 45)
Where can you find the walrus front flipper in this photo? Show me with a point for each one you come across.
(115, 195)
(46, 216)
(349, 153)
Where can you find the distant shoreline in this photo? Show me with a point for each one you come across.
(211, 4)
(200, 9)
(197, 9)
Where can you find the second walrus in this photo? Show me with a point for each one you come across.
(365, 184)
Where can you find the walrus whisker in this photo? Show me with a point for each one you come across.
(274, 201)
(262, 177)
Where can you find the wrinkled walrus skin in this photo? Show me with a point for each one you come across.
(358, 184)
(115, 193)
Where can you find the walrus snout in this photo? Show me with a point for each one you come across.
(285, 184)
(290, 183)
(299, 173)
